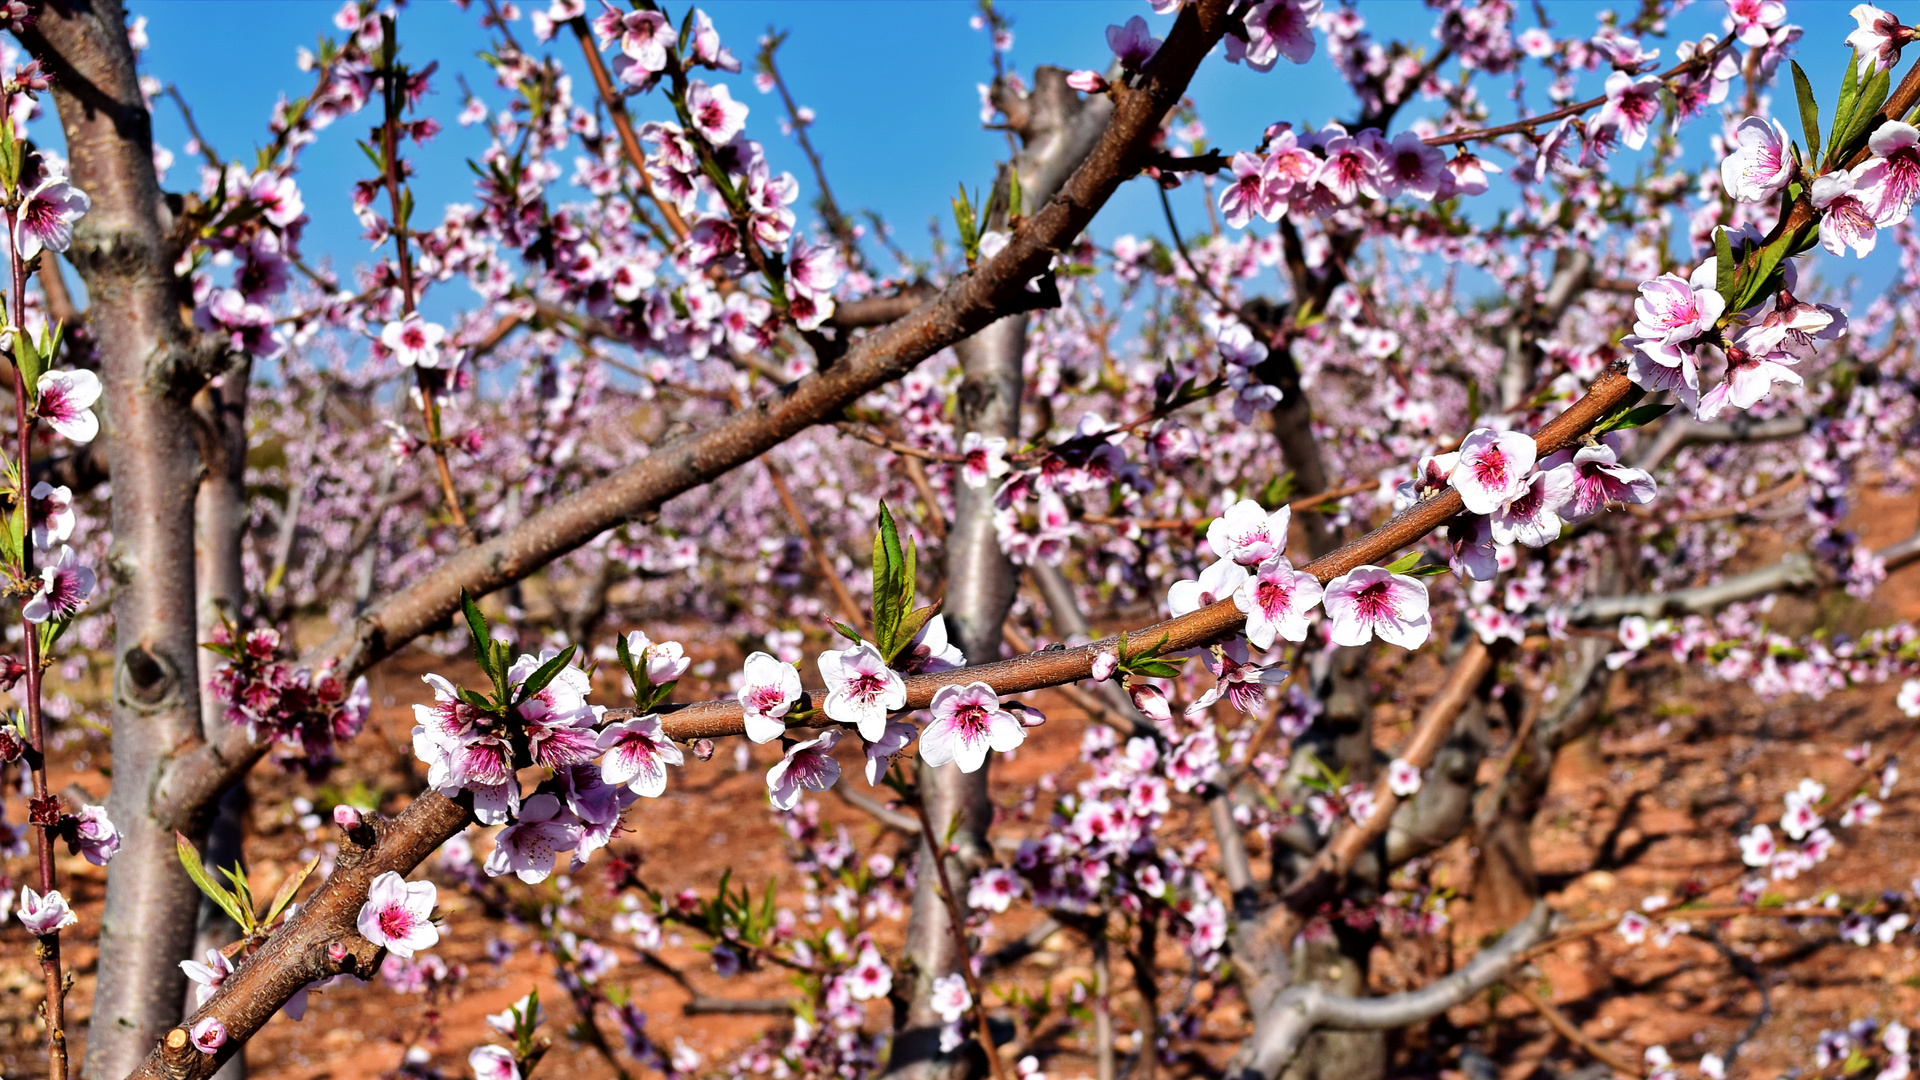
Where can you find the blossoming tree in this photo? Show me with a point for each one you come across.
(1279, 461)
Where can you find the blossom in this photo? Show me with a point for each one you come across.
(1216, 583)
(993, 889)
(52, 514)
(1493, 467)
(1237, 679)
(1757, 848)
(880, 751)
(1753, 21)
(1793, 326)
(1532, 515)
(1898, 146)
(398, 914)
(1413, 167)
(1761, 164)
(967, 722)
(716, 116)
(1132, 44)
(47, 216)
(1599, 480)
(1909, 697)
(64, 399)
(43, 915)
(986, 459)
(1671, 310)
(559, 722)
(493, 1063)
(1633, 927)
(1403, 777)
(869, 977)
(638, 753)
(1368, 600)
(950, 997)
(807, 765)
(64, 588)
(1277, 600)
(1847, 218)
(861, 688)
(769, 688)
(94, 836)
(1088, 82)
(1631, 106)
(1876, 44)
(1250, 194)
(207, 977)
(1276, 28)
(930, 651)
(528, 847)
(1247, 534)
(1750, 377)
(413, 341)
(1351, 168)
(209, 1034)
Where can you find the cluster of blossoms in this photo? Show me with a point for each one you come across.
(304, 714)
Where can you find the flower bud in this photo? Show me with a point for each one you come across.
(209, 1035)
(1105, 663)
(346, 817)
(337, 952)
(11, 672)
(703, 749)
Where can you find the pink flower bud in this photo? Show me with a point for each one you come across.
(346, 817)
(1088, 82)
(209, 1035)
(1105, 663)
(703, 749)
(337, 952)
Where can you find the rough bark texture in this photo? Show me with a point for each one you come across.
(123, 251)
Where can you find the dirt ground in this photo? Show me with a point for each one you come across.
(1649, 803)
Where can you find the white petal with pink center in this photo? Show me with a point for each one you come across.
(1493, 467)
(967, 722)
(1277, 601)
(861, 689)
(638, 753)
(1216, 583)
(1367, 601)
(64, 399)
(808, 766)
(1248, 534)
(768, 688)
(398, 915)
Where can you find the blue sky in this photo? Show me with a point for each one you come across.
(893, 86)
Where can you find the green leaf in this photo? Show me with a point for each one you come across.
(226, 901)
(1639, 416)
(910, 626)
(546, 673)
(1809, 113)
(477, 626)
(1872, 94)
(892, 583)
(847, 632)
(1843, 109)
(287, 890)
(1726, 274)
(1431, 570)
(1404, 563)
(31, 364)
(1278, 490)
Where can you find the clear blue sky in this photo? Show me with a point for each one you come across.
(893, 84)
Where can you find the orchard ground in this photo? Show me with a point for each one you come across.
(1650, 802)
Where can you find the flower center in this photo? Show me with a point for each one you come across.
(396, 922)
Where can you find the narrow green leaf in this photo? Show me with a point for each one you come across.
(1843, 109)
(287, 890)
(1726, 270)
(190, 859)
(1404, 563)
(1433, 570)
(1809, 113)
(28, 357)
(847, 632)
(1638, 416)
(477, 626)
(546, 673)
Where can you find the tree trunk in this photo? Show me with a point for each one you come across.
(126, 257)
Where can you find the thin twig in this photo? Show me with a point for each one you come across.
(1569, 1030)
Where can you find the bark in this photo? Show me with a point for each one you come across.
(151, 369)
(1057, 131)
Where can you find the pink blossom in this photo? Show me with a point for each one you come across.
(1237, 679)
(1133, 44)
(47, 216)
(707, 49)
(1216, 583)
(1877, 43)
(950, 997)
(1368, 600)
(1103, 666)
(1276, 28)
(930, 651)
(1750, 377)
(44, 915)
(861, 688)
(1351, 168)
(767, 690)
(64, 587)
(1898, 145)
(1753, 21)
(993, 889)
(869, 977)
(207, 977)
(638, 753)
(1761, 165)
(1847, 216)
(1633, 927)
(398, 914)
(986, 459)
(1470, 173)
(64, 399)
(1413, 167)
(1532, 515)
(1794, 327)
(716, 116)
(94, 836)
(493, 1063)
(209, 1035)
(807, 766)
(1493, 467)
(880, 751)
(1403, 777)
(413, 341)
(1632, 104)
(527, 848)
(52, 514)
(1247, 534)
(645, 38)
(1757, 847)
(1908, 699)
(1599, 480)
(1277, 601)
(1671, 310)
(1250, 193)
(1152, 702)
(278, 197)
(967, 722)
